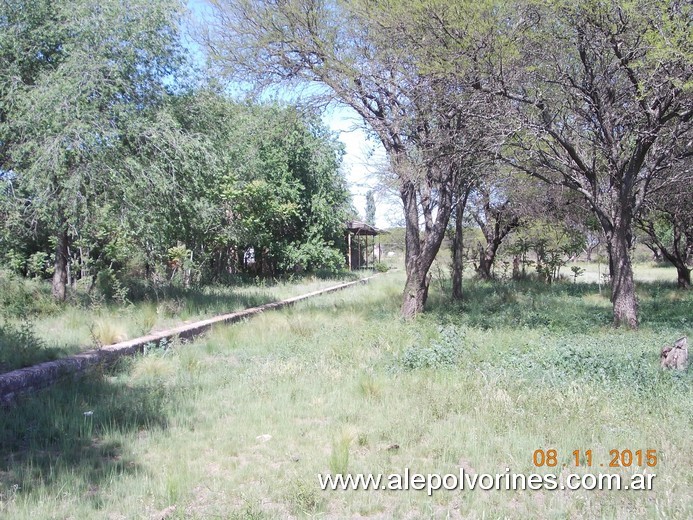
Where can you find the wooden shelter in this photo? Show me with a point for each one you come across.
(357, 232)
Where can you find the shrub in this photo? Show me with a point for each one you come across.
(381, 267)
(38, 264)
(20, 347)
(20, 297)
(447, 352)
(110, 286)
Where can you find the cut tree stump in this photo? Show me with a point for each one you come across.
(675, 356)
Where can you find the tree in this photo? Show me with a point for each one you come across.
(288, 198)
(493, 211)
(75, 91)
(248, 177)
(358, 51)
(597, 98)
(457, 246)
(667, 222)
(370, 208)
(601, 93)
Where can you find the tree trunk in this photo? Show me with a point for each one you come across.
(677, 254)
(457, 264)
(59, 286)
(677, 259)
(486, 257)
(415, 288)
(415, 291)
(683, 277)
(458, 249)
(517, 273)
(419, 254)
(683, 273)
(625, 306)
(497, 224)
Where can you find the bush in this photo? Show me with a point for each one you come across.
(447, 352)
(20, 297)
(20, 347)
(312, 255)
(38, 264)
(110, 286)
(380, 267)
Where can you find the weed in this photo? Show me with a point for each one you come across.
(446, 352)
(339, 457)
(147, 318)
(304, 498)
(162, 346)
(21, 347)
(112, 289)
(105, 332)
(370, 387)
(251, 511)
(171, 307)
(362, 440)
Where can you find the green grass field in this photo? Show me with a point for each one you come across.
(239, 423)
(33, 328)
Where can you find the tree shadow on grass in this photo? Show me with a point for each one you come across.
(241, 292)
(663, 305)
(69, 433)
(567, 307)
(576, 341)
(490, 305)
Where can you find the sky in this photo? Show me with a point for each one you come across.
(363, 158)
(363, 155)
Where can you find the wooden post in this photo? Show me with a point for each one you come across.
(366, 251)
(359, 251)
(349, 249)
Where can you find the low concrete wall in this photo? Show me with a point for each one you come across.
(26, 380)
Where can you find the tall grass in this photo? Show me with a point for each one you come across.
(89, 320)
(239, 423)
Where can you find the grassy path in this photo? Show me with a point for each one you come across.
(31, 379)
(33, 328)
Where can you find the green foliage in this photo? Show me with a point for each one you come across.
(577, 271)
(288, 197)
(446, 352)
(543, 244)
(106, 67)
(20, 347)
(110, 287)
(20, 297)
(313, 255)
(152, 166)
(381, 267)
(38, 264)
(370, 208)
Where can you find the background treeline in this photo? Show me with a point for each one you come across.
(118, 158)
(569, 114)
